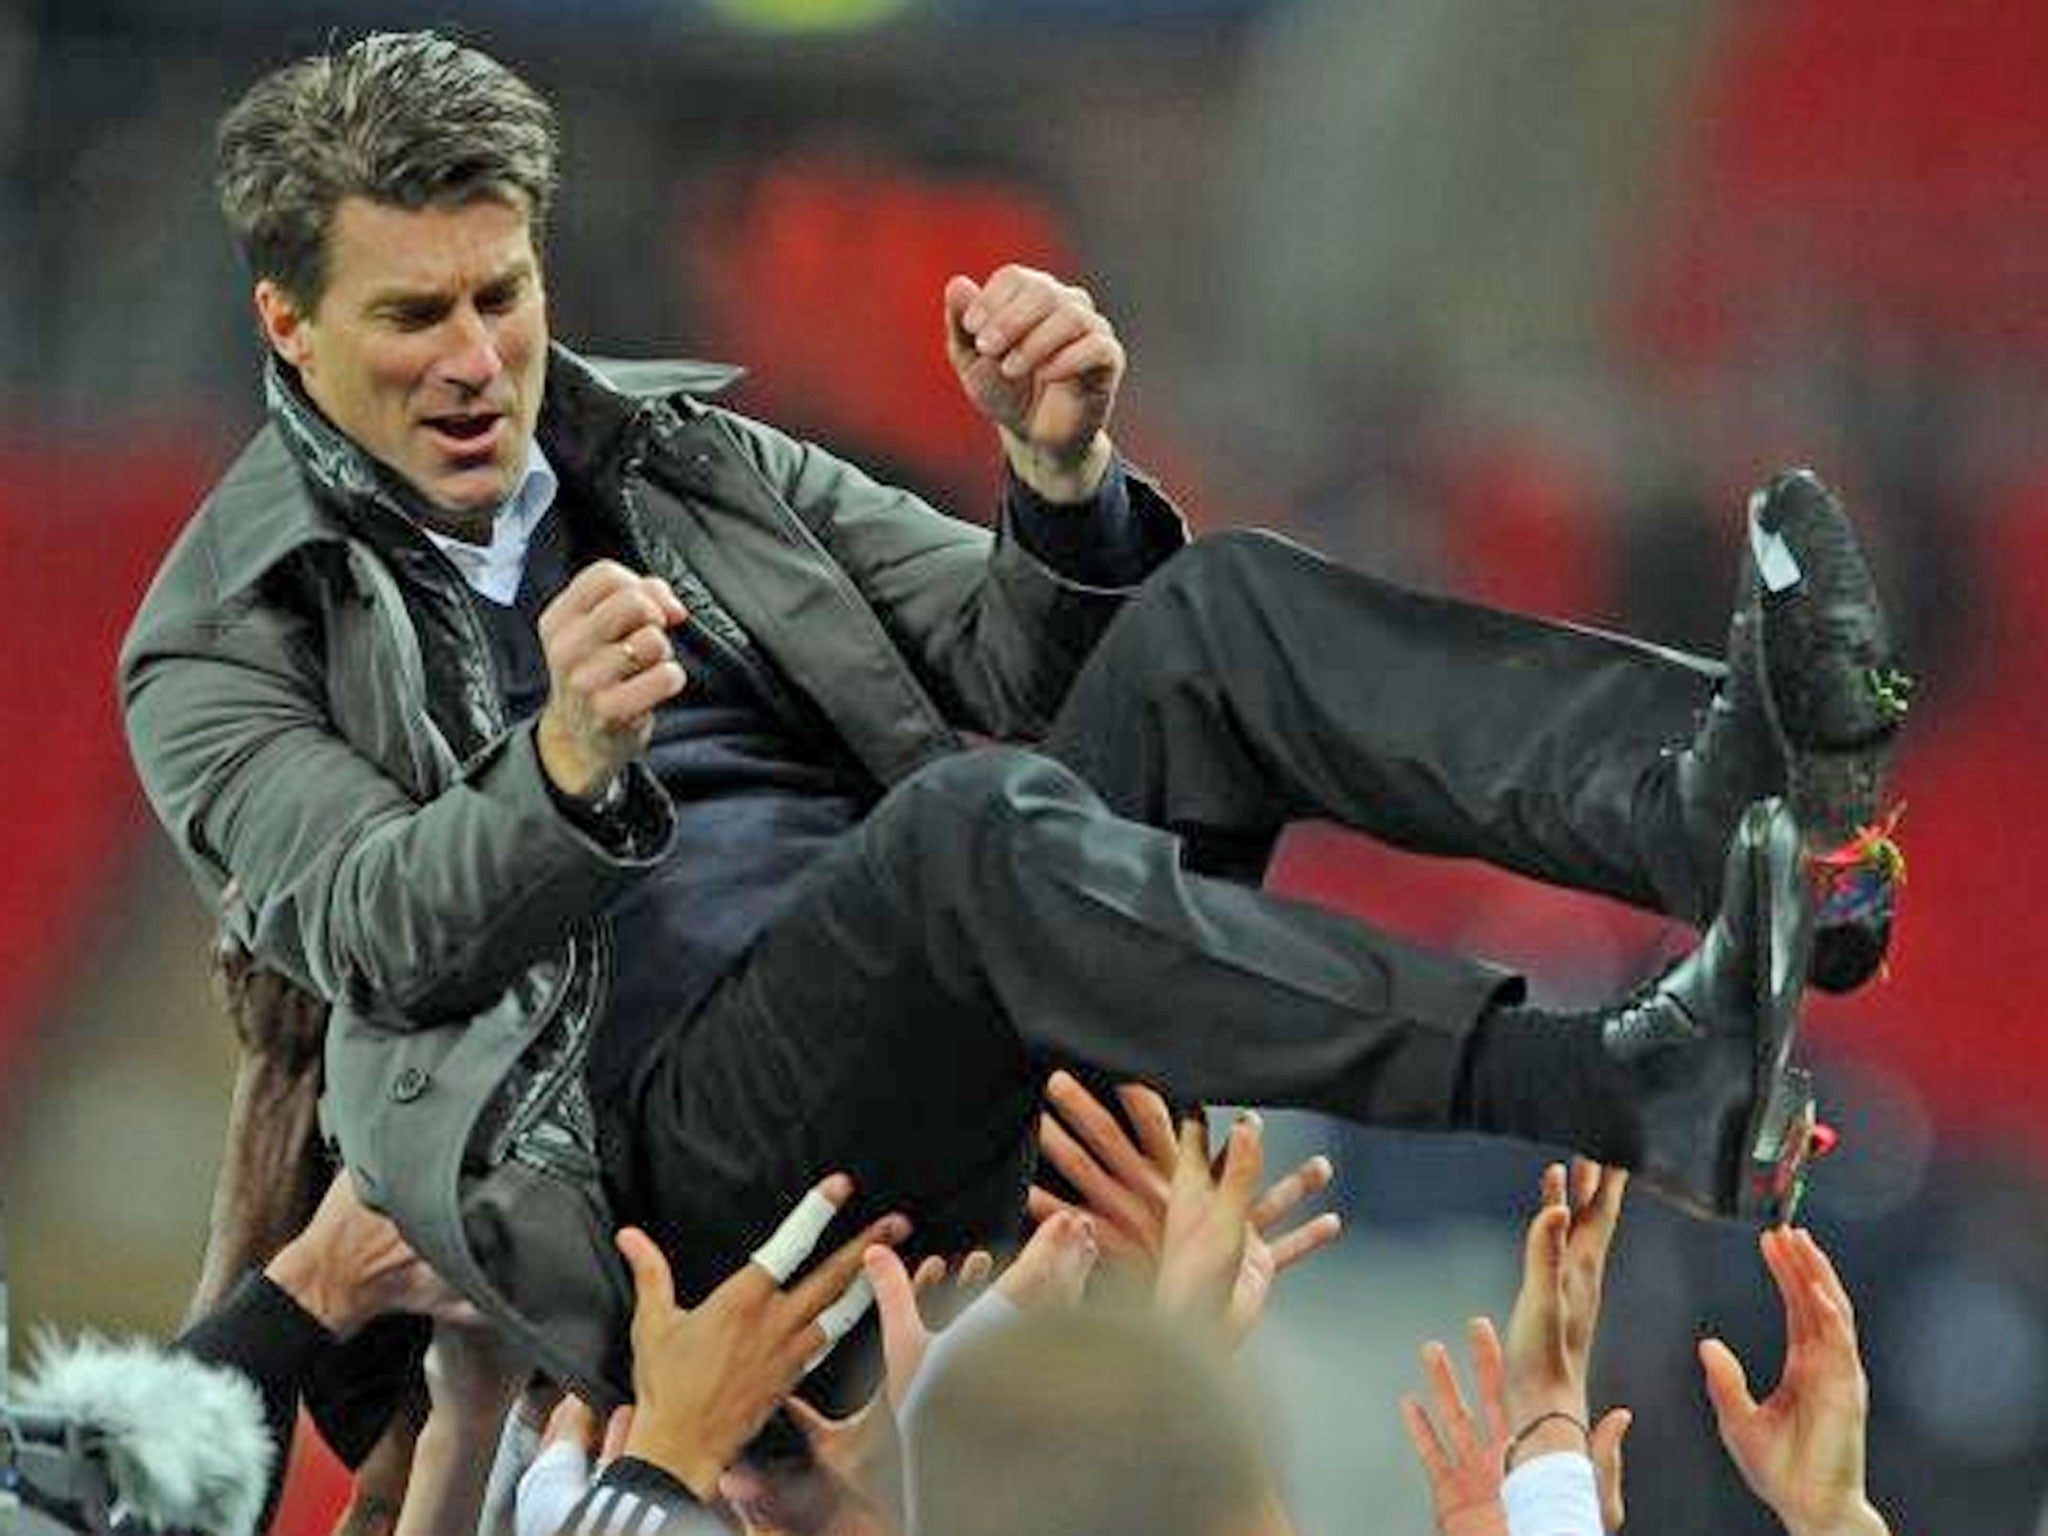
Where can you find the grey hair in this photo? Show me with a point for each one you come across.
(410, 119)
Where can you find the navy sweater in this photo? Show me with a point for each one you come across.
(756, 802)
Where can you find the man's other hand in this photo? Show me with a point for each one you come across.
(610, 665)
(1039, 361)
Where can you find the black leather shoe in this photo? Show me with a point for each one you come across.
(1811, 708)
(1723, 1122)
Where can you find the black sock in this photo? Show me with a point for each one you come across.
(1547, 1077)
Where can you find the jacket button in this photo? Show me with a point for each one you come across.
(408, 1085)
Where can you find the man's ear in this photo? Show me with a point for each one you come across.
(285, 325)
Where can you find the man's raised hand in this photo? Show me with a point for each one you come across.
(1548, 1353)
(1557, 1310)
(706, 1378)
(1461, 1450)
(610, 665)
(1801, 1450)
(1126, 1184)
(1037, 359)
(1532, 1390)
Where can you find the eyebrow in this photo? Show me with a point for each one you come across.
(392, 300)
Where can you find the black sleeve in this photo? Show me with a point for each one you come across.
(268, 1337)
(1102, 542)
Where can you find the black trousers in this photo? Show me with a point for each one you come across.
(1003, 910)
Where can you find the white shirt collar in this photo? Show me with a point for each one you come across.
(494, 570)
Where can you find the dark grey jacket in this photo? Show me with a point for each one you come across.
(309, 700)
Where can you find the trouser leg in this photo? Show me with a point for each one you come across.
(989, 920)
(1252, 682)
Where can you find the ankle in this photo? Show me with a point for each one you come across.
(1547, 1076)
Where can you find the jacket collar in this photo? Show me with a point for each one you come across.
(302, 481)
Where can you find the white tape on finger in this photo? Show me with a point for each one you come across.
(838, 1319)
(791, 1243)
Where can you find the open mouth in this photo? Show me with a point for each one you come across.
(468, 429)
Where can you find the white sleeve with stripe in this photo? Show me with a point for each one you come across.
(637, 1498)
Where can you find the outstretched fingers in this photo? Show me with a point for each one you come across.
(834, 1295)
(1823, 1278)
(1143, 1164)
(1422, 1435)
(1152, 1119)
(1543, 1254)
(1303, 1182)
(791, 1243)
(1489, 1376)
(905, 1338)
(1107, 1193)
(1244, 1160)
(1280, 1198)
(1804, 1321)
(1310, 1237)
(1453, 1413)
(1596, 1205)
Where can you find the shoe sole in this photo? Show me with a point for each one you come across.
(1782, 1153)
(1777, 1137)
(1823, 627)
(1822, 623)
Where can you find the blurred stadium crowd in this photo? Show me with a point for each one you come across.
(1512, 301)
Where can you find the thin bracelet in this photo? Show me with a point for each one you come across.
(1507, 1455)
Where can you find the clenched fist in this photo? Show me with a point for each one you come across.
(1038, 360)
(610, 666)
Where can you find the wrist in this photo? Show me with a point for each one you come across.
(1525, 1403)
(691, 1465)
(1544, 1432)
(570, 771)
(299, 1273)
(1062, 479)
(1860, 1519)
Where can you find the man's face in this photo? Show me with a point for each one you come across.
(429, 345)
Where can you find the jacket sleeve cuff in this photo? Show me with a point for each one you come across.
(633, 833)
(1108, 544)
(1103, 542)
(632, 825)
(1068, 616)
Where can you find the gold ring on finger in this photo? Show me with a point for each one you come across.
(632, 656)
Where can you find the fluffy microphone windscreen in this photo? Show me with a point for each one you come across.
(186, 1444)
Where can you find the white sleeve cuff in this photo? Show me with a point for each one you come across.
(1552, 1495)
(518, 1444)
(550, 1488)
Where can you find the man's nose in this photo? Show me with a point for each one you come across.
(472, 361)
